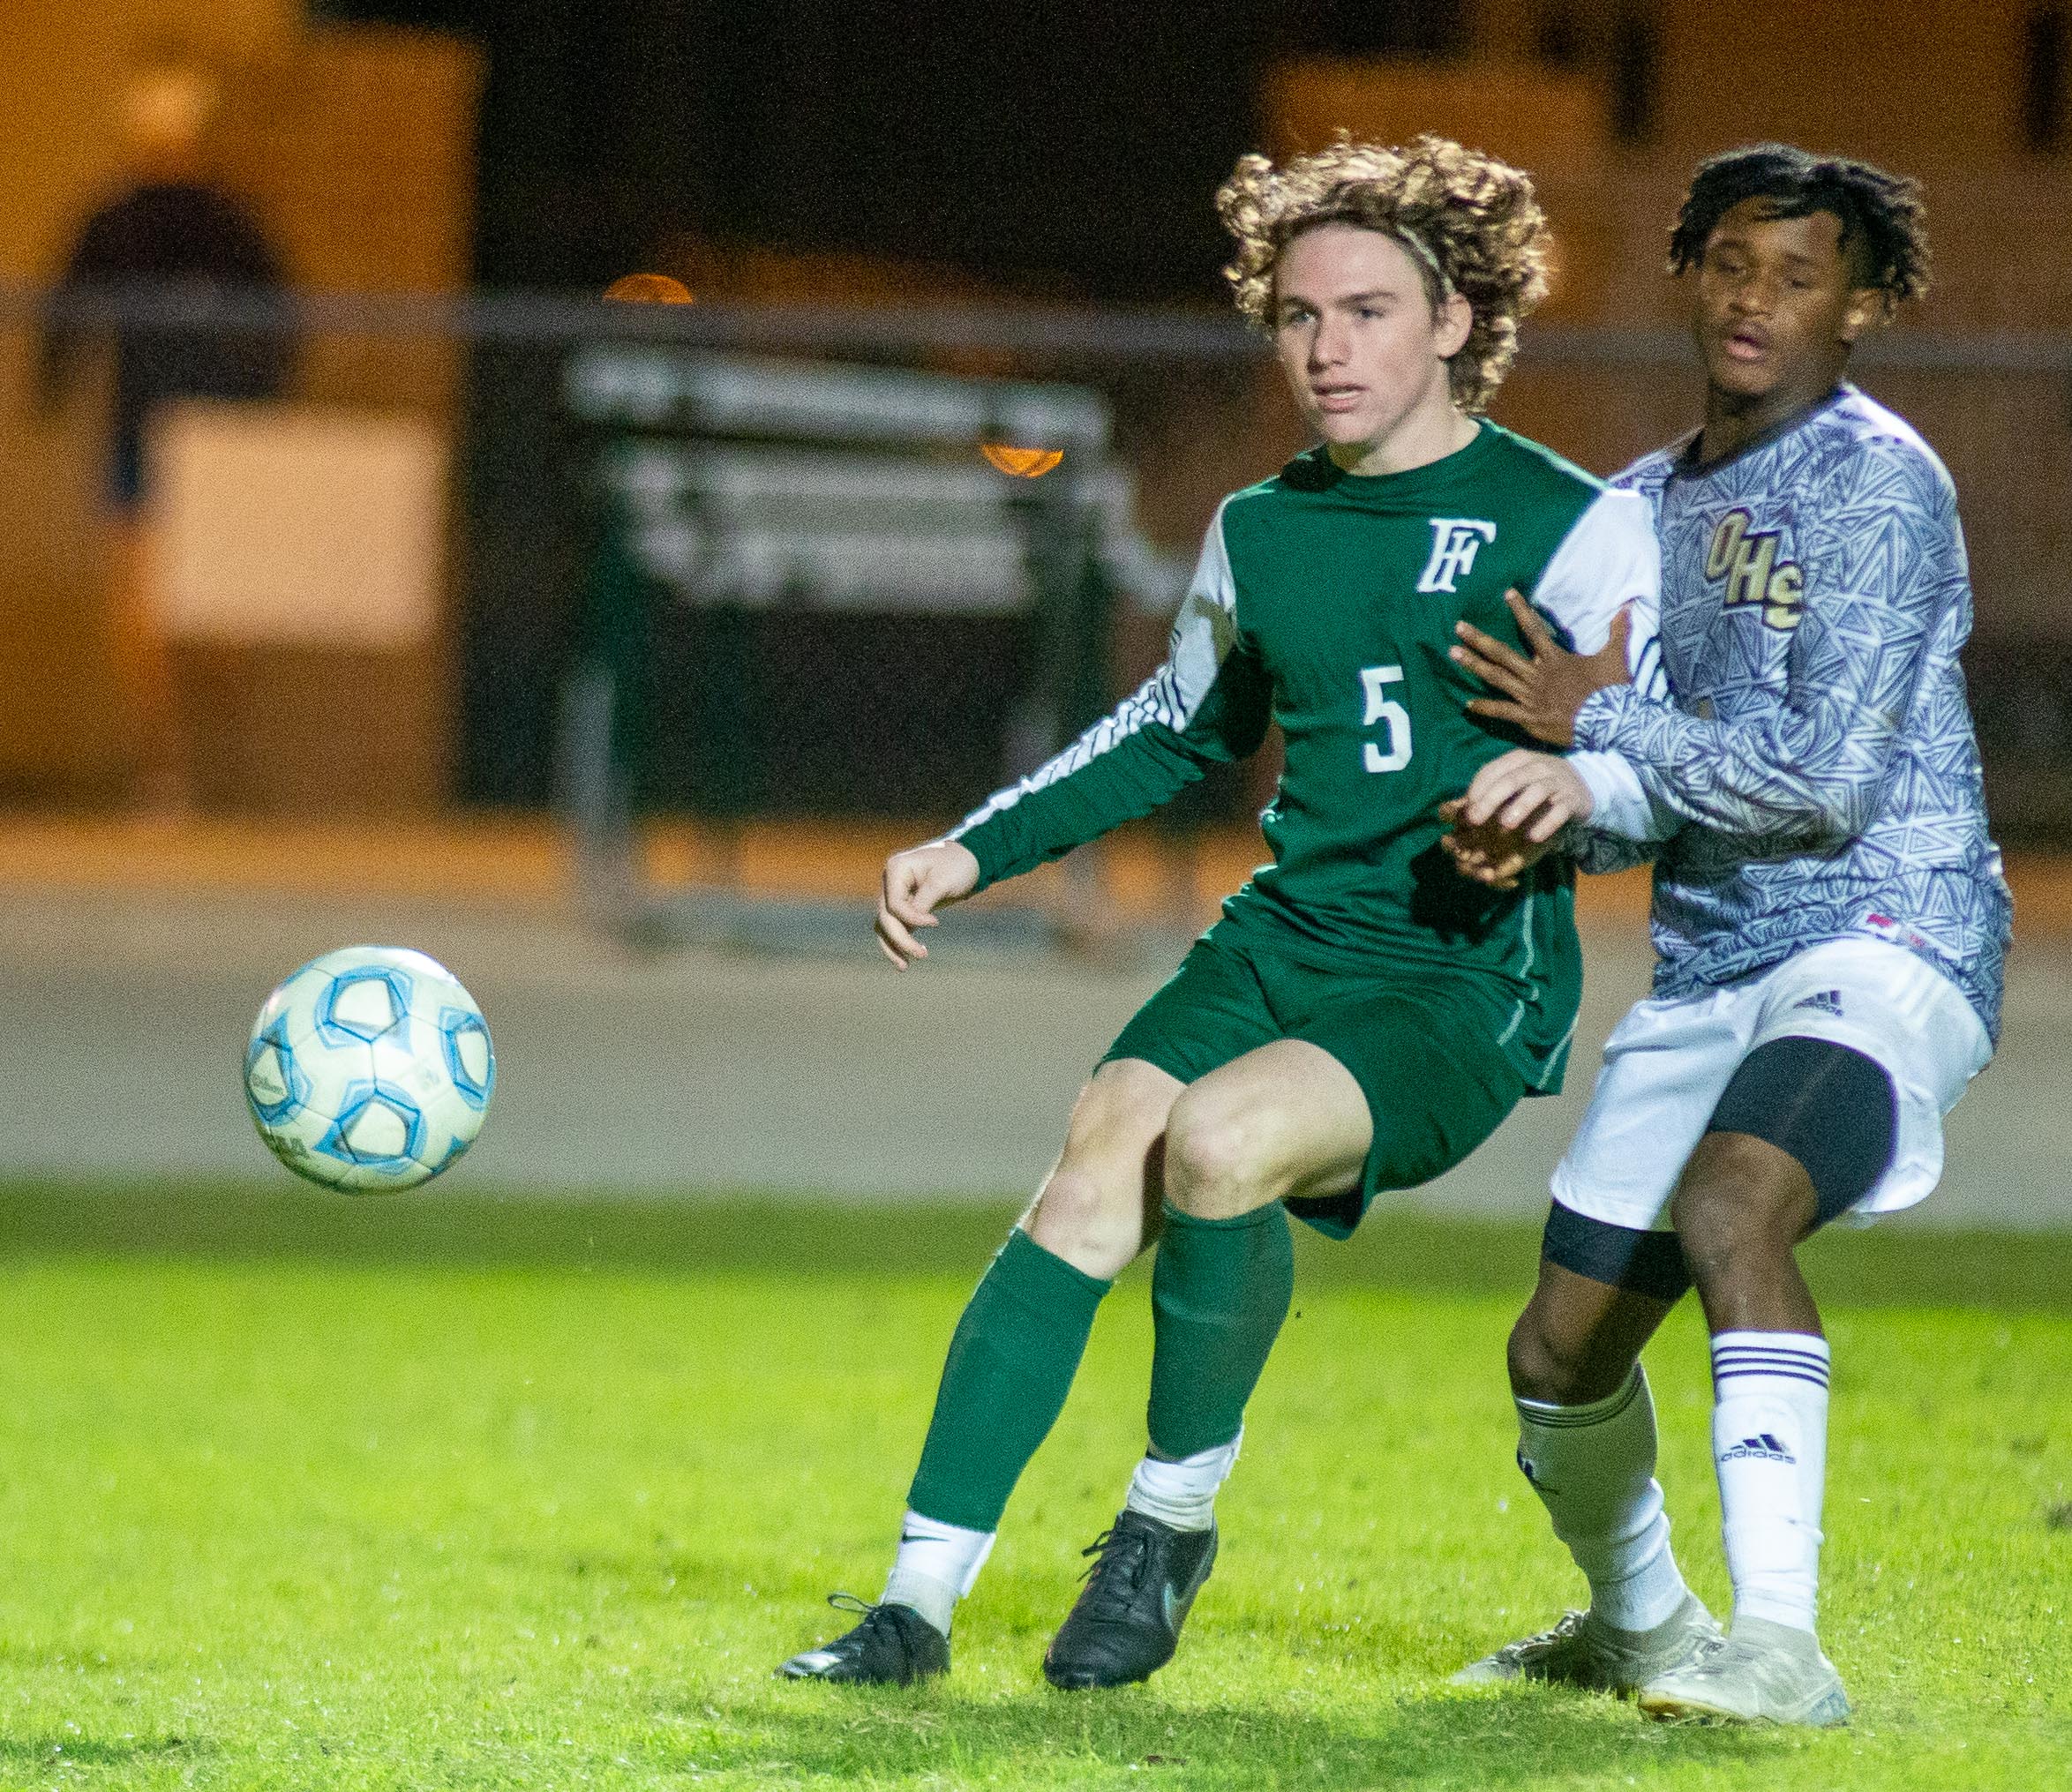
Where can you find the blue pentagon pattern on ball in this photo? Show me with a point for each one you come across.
(363, 1002)
(377, 1127)
(470, 1060)
(274, 1084)
(369, 1070)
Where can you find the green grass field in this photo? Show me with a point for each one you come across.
(461, 1493)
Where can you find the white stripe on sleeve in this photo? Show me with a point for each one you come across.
(1204, 633)
(1610, 557)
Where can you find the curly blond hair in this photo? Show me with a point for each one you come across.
(1470, 221)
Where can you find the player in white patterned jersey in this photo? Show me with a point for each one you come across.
(1828, 913)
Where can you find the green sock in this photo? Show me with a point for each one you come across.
(1011, 1363)
(1219, 1294)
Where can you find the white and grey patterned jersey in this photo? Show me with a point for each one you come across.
(1815, 774)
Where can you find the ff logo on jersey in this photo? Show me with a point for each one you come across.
(1747, 561)
(1455, 541)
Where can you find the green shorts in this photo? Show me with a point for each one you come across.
(1424, 1047)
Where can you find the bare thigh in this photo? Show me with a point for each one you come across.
(1286, 1119)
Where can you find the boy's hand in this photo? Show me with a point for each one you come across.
(917, 882)
(1545, 692)
(1489, 855)
(1512, 815)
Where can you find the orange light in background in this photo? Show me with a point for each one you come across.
(1022, 463)
(649, 290)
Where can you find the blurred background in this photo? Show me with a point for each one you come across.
(363, 569)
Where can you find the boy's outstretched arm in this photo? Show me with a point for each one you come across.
(1208, 704)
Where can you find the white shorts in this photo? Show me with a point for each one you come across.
(1667, 1064)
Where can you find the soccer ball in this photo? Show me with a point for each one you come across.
(369, 1070)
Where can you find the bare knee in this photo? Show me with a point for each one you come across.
(1558, 1368)
(1219, 1160)
(1541, 1370)
(1099, 1208)
(1096, 1223)
(1578, 1339)
(1740, 1199)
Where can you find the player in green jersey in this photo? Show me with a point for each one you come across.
(1361, 1018)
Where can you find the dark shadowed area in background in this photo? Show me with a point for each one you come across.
(1068, 145)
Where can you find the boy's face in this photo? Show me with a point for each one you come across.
(1356, 333)
(1778, 307)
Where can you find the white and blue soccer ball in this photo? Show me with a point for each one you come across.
(369, 1070)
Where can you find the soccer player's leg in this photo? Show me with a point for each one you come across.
(1587, 1444)
(1806, 1128)
(1009, 1365)
(1018, 1346)
(1377, 1087)
(1586, 1419)
(1286, 1119)
(1854, 1054)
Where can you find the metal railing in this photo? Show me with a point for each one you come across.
(1193, 409)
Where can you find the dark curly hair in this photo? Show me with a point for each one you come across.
(1884, 221)
(1471, 222)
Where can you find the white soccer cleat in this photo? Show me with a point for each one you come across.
(1583, 1651)
(1761, 1672)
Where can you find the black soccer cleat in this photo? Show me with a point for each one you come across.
(894, 1646)
(1127, 1623)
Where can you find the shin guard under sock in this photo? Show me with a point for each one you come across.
(1011, 1365)
(1219, 1294)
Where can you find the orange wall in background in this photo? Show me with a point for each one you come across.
(1926, 83)
(355, 146)
(60, 82)
(60, 142)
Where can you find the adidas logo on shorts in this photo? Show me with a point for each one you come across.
(1827, 1001)
(1765, 1447)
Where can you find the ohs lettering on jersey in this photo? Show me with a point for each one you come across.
(1920, 870)
(1746, 559)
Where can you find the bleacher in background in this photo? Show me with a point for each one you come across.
(816, 587)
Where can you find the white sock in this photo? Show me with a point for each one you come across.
(1769, 1442)
(1594, 1469)
(1182, 1494)
(938, 1565)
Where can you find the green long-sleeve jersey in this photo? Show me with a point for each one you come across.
(1326, 602)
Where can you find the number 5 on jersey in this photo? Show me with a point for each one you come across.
(1381, 707)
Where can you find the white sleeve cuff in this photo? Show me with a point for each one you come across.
(1619, 806)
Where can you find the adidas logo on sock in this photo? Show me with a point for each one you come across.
(1827, 1001)
(1765, 1446)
